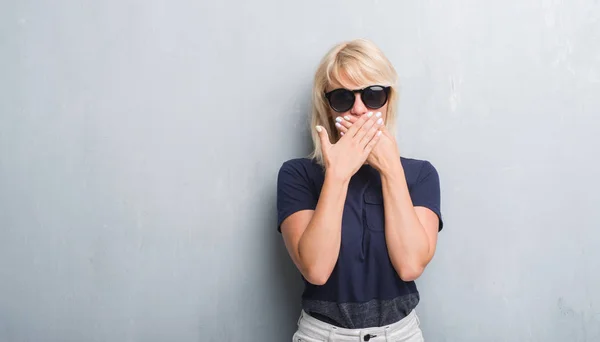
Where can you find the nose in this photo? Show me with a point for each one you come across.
(359, 107)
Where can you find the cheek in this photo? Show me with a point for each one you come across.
(383, 111)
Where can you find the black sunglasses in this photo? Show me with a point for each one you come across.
(374, 97)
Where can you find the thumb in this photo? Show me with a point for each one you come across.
(324, 137)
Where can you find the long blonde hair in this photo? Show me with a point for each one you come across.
(361, 62)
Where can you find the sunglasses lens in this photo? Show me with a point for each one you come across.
(375, 97)
(341, 100)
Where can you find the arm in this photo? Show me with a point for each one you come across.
(313, 237)
(410, 232)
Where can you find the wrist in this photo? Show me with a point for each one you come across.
(332, 175)
(392, 170)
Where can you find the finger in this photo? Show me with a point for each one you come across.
(353, 119)
(324, 137)
(350, 118)
(358, 124)
(341, 128)
(342, 125)
(362, 132)
(372, 131)
(372, 143)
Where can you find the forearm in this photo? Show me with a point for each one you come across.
(319, 246)
(407, 241)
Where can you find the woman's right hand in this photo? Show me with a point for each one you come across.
(350, 152)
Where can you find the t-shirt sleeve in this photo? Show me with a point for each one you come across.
(294, 191)
(426, 191)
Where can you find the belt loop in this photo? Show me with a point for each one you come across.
(387, 334)
(300, 318)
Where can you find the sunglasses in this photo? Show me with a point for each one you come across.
(374, 97)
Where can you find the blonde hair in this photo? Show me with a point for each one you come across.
(361, 62)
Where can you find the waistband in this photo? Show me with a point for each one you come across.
(328, 331)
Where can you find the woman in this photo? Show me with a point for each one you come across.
(359, 221)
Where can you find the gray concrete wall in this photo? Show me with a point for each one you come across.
(140, 141)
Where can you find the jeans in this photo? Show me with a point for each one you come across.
(311, 329)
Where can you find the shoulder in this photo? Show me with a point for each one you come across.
(304, 166)
(297, 187)
(417, 169)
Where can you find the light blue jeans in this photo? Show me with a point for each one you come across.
(311, 329)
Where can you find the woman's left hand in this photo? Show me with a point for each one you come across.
(385, 155)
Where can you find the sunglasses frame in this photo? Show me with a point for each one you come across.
(386, 89)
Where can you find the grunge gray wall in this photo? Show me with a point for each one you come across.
(140, 143)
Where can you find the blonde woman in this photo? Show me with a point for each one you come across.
(359, 221)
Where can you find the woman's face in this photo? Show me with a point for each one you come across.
(358, 108)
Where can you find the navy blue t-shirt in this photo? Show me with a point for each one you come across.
(364, 289)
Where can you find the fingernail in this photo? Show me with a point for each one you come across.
(378, 133)
(379, 121)
(370, 114)
(338, 119)
(341, 133)
(319, 129)
(378, 114)
(338, 125)
(347, 117)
